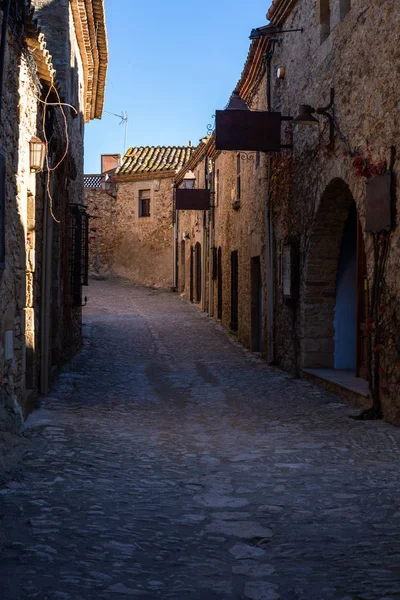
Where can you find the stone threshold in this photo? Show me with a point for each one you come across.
(341, 382)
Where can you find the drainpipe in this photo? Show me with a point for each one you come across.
(174, 240)
(45, 298)
(3, 44)
(211, 246)
(269, 246)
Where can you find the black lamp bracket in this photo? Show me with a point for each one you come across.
(330, 116)
(266, 30)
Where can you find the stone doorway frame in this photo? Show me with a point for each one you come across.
(320, 276)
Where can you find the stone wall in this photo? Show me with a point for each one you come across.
(25, 316)
(357, 59)
(143, 245)
(311, 190)
(102, 236)
(18, 280)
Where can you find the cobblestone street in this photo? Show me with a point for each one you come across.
(169, 462)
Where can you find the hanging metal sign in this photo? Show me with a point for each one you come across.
(192, 199)
(248, 130)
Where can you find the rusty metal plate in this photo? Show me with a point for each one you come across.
(192, 199)
(378, 204)
(248, 130)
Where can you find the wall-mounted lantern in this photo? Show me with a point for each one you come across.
(37, 151)
(189, 181)
(306, 112)
(239, 128)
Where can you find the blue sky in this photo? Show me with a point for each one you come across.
(172, 64)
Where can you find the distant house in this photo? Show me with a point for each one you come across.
(139, 245)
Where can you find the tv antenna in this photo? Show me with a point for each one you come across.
(123, 120)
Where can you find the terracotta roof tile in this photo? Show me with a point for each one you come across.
(153, 159)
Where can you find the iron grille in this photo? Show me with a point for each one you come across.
(79, 252)
(92, 181)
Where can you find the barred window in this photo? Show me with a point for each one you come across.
(79, 262)
(144, 203)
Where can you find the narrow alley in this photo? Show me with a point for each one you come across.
(171, 463)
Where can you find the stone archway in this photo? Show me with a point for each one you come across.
(321, 276)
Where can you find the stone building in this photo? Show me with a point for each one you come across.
(50, 57)
(101, 203)
(229, 241)
(135, 236)
(306, 240)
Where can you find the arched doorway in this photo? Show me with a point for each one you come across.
(198, 271)
(334, 296)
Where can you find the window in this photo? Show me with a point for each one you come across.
(344, 7)
(258, 155)
(217, 188)
(324, 19)
(238, 178)
(2, 209)
(144, 203)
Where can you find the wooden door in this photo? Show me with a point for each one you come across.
(191, 273)
(256, 309)
(219, 275)
(234, 291)
(198, 272)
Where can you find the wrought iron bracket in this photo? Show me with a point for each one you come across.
(324, 112)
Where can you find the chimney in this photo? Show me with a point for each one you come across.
(110, 162)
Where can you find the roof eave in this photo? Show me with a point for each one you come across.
(279, 11)
(90, 27)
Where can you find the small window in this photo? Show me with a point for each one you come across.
(144, 203)
(324, 19)
(2, 209)
(344, 7)
(217, 188)
(238, 178)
